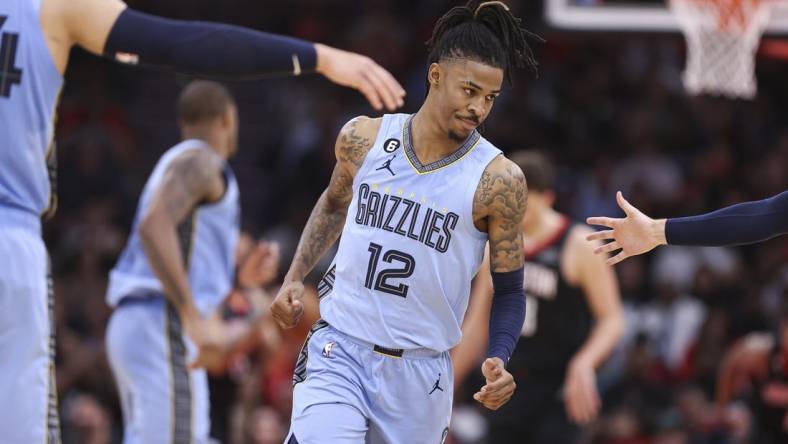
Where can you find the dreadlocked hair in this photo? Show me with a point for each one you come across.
(486, 32)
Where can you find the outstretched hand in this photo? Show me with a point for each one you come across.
(499, 387)
(361, 73)
(634, 234)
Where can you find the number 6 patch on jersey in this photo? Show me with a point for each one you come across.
(391, 145)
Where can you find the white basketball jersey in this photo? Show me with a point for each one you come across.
(29, 89)
(208, 240)
(409, 249)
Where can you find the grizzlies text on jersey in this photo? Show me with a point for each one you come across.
(409, 248)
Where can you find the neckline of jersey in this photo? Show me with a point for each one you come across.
(410, 154)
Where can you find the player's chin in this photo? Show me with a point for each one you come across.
(459, 133)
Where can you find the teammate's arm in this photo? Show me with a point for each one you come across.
(499, 206)
(194, 177)
(327, 218)
(207, 49)
(739, 224)
(600, 288)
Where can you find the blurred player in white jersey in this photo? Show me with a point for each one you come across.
(178, 266)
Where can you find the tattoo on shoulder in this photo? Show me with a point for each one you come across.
(353, 145)
(500, 201)
(192, 178)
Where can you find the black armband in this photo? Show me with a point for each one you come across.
(207, 49)
(743, 223)
(507, 313)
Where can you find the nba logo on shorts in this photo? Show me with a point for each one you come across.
(444, 435)
(327, 349)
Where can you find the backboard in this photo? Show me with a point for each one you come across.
(635, 15)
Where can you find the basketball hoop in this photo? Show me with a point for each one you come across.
(722, 40)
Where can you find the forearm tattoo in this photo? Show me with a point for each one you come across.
(327, 219)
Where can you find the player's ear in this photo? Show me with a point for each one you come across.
(225, 120)
(435, 75)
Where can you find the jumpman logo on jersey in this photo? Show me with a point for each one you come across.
(387, 165)
(437, 385)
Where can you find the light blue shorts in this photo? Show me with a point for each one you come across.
(28, 411)
(163, 402)
(348, 391)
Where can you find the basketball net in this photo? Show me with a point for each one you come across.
(722, 39)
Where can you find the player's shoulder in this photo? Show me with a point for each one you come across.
(752, 349)
(504, 172)
(502, 189)
(577, 247)
(361, 126)
(577, 236)
(195, 158)
(356, 138)
(485, 143)
(201, 169)
(63, 13)
(757, 342)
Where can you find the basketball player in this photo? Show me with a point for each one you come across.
(739, 224)
(36, 37)
(176, 269)
(760, 359)
(415, 197)
(573, 320)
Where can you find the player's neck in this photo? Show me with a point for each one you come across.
(210, 138)
(430, 141)
(543, 226)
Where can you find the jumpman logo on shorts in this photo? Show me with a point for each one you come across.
(387, 166)
(437, 385)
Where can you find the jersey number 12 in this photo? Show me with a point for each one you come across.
(379, 280)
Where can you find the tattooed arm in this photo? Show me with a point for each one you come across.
(327, 218)
(498, 209)
(192, 178)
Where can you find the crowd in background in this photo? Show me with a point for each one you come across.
(610, 111)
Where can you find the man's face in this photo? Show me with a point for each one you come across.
(465, 91)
